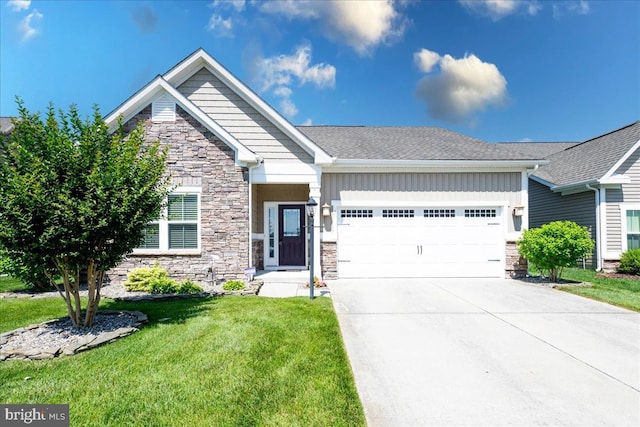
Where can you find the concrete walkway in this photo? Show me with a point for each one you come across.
(283, 284)
(480, 352)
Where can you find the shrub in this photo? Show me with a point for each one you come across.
(163, 286)
(233, 285)
(188, 287)
(33, 277)
(554, 246)
(141, 279)
(630, 262)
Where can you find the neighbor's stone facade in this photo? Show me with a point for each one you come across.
(329, 260)
(197, 157)
(516, 266)
(610, 265)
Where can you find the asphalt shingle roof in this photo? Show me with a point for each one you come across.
(540, 149)
(407, 143)
(589, 160)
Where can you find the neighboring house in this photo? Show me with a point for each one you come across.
(6, 125)
(391, 201)
(595, 183)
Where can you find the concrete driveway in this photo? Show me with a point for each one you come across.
(479, 352)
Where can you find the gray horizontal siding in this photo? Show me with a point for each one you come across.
(423, 187)
(546, 206)
(241, 120)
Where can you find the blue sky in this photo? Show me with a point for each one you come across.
(498, 70)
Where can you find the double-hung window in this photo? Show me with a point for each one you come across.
(182, 218)
(179, 228)
(633, 228)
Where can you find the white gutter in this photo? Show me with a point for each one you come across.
(250, 169)
(437, 163)
(598, 228)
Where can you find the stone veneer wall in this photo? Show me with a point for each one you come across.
(197, 157)
(610, 265)
(516, 266)
(329, 261)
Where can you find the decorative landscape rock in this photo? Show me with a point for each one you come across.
(58, 337)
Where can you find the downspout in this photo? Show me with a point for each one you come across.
(598, 237)
(250, 170)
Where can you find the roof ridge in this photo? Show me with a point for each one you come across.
(607, 133)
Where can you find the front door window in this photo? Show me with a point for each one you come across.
(291, 237)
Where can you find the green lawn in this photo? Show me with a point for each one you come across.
(621, 292)
(9, 284)
(231, 361)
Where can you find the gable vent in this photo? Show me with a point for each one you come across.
(163, 109)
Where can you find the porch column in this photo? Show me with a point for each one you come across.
(314, 193)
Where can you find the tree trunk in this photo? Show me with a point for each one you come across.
(94, 284)
(71, 290)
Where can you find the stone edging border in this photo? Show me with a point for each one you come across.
(85, 344)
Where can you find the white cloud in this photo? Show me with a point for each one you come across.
(283, 91)
(26, 26)
(288, 108)
(426, 60)
(19, 5)
(282, 70)
(237, 5)
(220, 26)
(498, 9)
(307, 122)
(362, 25)
(462, 87)
(580, 7)
(278, 73)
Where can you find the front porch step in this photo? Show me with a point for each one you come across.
(276, 277)
(281, 284)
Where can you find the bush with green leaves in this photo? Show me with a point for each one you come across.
(630, 262)
(554, 246)
(233, 285)
(156, 280)
(33, 277)
(188, 287)
(146, 279)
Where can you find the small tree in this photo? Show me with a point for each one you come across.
(75, 197)
(554, 246)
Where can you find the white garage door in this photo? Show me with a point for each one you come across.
(420, 242)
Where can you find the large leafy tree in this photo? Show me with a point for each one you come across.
(75, 197)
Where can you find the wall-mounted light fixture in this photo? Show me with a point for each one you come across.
(326, 210)
(518, 210)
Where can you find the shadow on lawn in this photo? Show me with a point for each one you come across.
(168, 311)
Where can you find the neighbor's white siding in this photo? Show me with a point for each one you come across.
(629, 194)
(240, 119)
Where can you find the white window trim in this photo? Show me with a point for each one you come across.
(163, 232)
(623, 223)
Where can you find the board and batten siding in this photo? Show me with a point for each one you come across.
(240, 119)
(424, 187)
(546, 206)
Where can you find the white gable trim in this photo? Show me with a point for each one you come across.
(160, 87)
(611, 172)
(181, 72)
